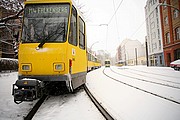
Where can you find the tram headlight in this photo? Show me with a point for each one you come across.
(58, 67)
(26, 67)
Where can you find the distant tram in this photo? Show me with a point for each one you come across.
(52, 51)
(107, 63)
(119, 63)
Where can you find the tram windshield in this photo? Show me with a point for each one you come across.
(45, 23)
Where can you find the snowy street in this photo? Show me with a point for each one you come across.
(130, 103)
(134, 93)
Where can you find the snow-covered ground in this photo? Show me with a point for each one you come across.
(128, 103)
(69, 107)
(77, 106)
(8, 109)
(122, 101)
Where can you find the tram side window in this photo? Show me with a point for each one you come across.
(81, 33)
(73, 28)
(89, 57)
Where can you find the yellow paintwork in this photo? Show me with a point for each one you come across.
(43, 61)
(97, 64)
(91, 64)
(47, 1)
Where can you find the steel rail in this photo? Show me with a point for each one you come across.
(103, 111)
(138, 88)
(132, 71)
(35, 108)
(144, 80)
(154, 73)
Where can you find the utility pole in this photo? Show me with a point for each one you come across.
(147, 54)
(136, 55)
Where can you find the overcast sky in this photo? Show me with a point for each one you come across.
(129, 22)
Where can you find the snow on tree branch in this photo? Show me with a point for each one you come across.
(15, 16)
(15, 6)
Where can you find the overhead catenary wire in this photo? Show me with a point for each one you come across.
(116, 19)
(115, 12)
(138, 28)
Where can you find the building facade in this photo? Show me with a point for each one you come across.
(131, 52)
(154, 33)
(170, 17)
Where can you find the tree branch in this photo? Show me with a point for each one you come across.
(15, 16)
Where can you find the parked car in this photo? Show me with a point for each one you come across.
(175, 64)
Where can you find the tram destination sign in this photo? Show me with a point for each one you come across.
(43, 10)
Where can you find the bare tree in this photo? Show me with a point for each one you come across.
(83, 9)
(16, 6)
(10, 23)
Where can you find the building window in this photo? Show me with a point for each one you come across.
(177, 33)
(155, 46)
(168, 38)
(175, 13)
(160, 59)
(153, 35)
(152, 25)
(158, 33)
(156, 12)
(159, 44)
(152, 15)
(166, 20)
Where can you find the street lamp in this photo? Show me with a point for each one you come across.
(164, 4)
(106, 32)
(103, 24)
(93, 45)
(100, 25)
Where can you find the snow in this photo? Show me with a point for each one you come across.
(69, 107)
(77, 106)
(8, 109)
(122, 101)
(128, 103)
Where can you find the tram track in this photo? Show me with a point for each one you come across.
(149, 76)
(98, 105)
(138, 88)
(153, 73)
(144, 80)
(103, 111)
(35, 108)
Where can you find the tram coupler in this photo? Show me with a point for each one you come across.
(27, 90)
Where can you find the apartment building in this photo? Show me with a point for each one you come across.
(154, 33)
(170, 17)
(131, 52)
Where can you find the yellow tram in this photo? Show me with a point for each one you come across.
(93, 62)
(119, 63)
(107, 63)
(52, 48)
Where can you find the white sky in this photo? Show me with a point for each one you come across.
(130, 22)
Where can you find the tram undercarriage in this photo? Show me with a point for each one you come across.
(29, 89)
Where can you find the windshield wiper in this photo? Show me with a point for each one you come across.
(58, 32)
(42, 43)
